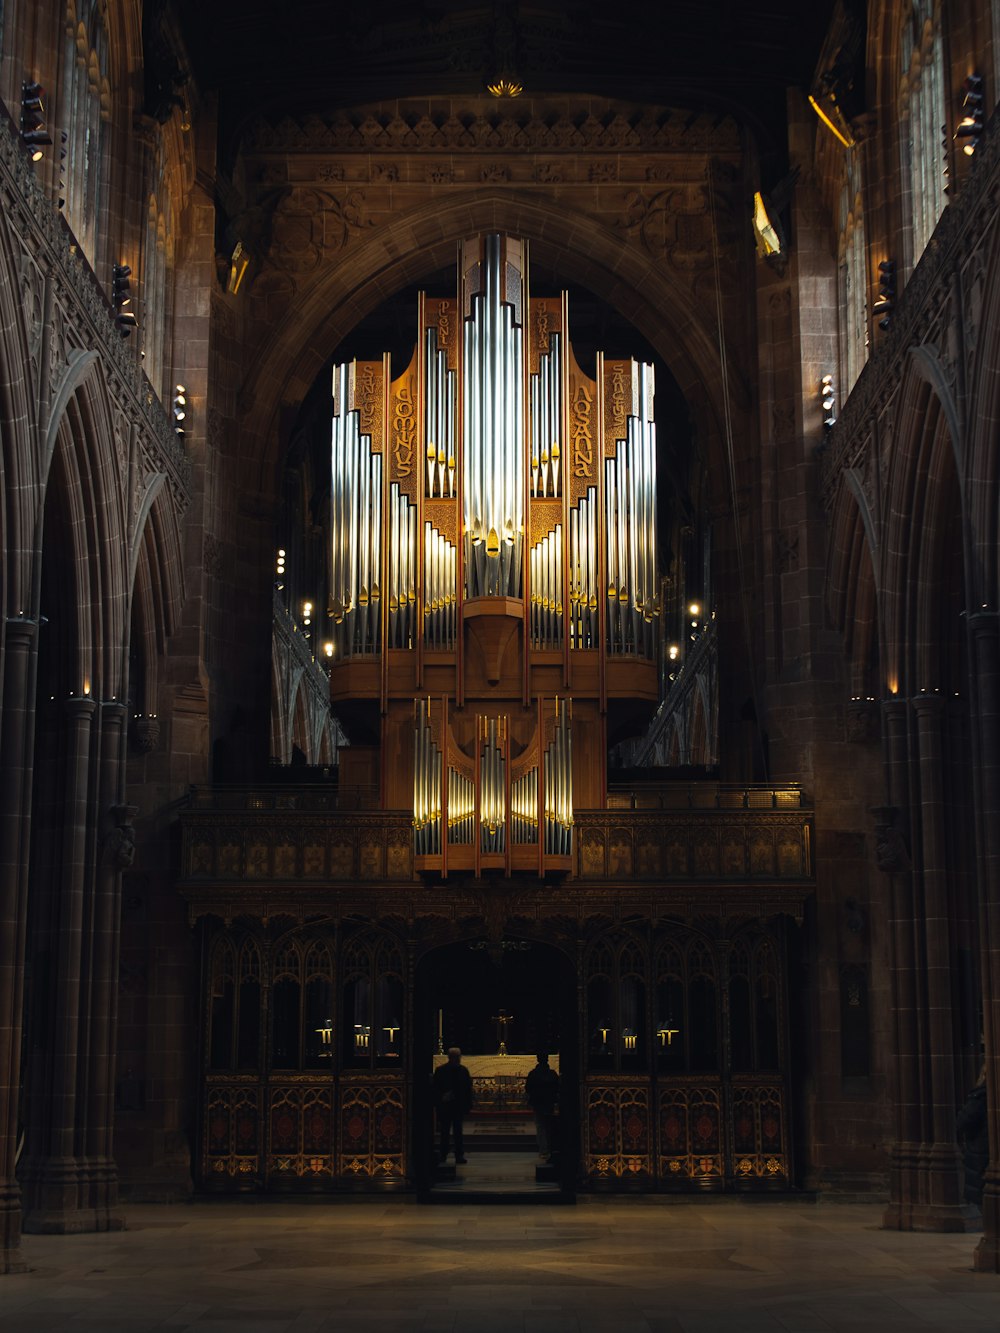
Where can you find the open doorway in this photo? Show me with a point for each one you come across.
(501, 1006)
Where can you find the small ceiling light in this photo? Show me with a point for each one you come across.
(694, 609)
(34, 133)
(970, 127)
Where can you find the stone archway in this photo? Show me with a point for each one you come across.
(459, 990)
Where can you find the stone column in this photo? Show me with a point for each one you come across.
(16, 736)
(894, 860)
(115, 854)
(941, 1205)
(52, 1170)
(986, 722)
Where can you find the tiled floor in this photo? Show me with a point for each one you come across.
(614, 1266)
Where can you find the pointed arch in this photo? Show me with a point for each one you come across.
(923, 499)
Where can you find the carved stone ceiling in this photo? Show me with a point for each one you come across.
(314, 57)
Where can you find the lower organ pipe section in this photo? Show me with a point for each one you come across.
(461, 809)
(505, 818)
(492, 785)
(524, 808)
(559, 787)
(426, 786)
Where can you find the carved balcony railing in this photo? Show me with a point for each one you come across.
(54, 277)
(297, 841)
(925, 315)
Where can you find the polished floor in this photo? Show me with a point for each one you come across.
(604, 1266)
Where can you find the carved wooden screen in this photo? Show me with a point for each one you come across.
(270, 1054)
(371, 1119)
(617, 1102)
(686, 1059)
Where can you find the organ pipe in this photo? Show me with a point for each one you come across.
(493, 439)
(440, 582)
(630, 529)
(547, 448)
(355, 562)
(546, 608)
(559, 786)
(524, 808)
(427, 771)
(440, 389)
(461, 809)
(492, 785)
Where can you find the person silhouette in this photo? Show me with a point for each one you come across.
(541, 1088)
(452, 1085)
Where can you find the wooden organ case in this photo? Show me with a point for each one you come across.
(493, 571)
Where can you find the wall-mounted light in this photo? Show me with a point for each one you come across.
(828, 402)
(63, 151)
(673, 652)
(970, 126)
(279, 569)
(766, 228)
(238, 264)
(885, 306)
(34, 133)
(833, 118)
(178, 408)
(121, 297)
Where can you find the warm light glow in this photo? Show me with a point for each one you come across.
(673, 652)
(767, 234)
(328, 649)
(505, 86)
(694, 609)
(846, 140)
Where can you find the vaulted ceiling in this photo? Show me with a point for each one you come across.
(733, 56)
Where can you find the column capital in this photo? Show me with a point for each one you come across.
(928, 701)
(81, 705)
(21, 627)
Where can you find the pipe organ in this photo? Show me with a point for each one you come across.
(493, 577)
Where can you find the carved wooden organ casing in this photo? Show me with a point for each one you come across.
(493, 571)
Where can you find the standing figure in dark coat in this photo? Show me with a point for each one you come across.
(973, 1133)
(541, 1088)
(453, 1099)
